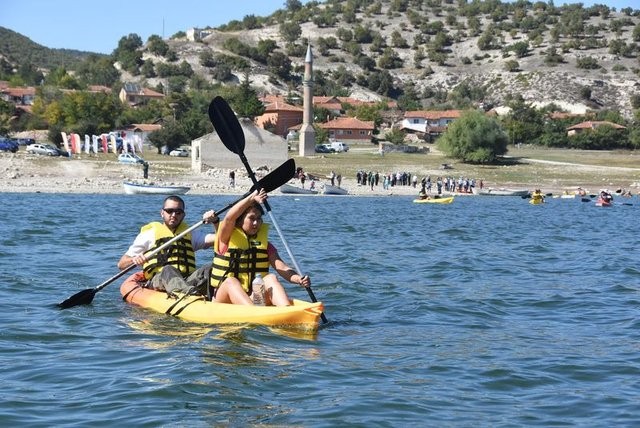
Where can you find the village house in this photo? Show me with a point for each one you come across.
(134, 94)
(21, 96)
(335, 104)
(279, 115)
(141, 131)
(591, 125)
(349, 129)
(429, 124)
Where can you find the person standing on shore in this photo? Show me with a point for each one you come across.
(232, 179)
(174, 268)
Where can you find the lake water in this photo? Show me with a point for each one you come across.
(485, 312)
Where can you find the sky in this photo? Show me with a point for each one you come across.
(92, 26)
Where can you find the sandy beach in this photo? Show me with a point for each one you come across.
(83, 174)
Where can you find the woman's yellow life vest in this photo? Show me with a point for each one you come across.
(244, 258)
(179, 255)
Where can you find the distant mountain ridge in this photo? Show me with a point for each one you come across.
(17, 49)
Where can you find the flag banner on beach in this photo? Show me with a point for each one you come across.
(105, 146)
(65, 141)
(130, 144)
(72, 143)
(113, 143)
(77, 144)
(94, 143)
(87, 144)
(137, 140)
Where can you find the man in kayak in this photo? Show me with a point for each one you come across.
(242, 250)
(173, 269)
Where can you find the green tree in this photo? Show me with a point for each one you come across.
(474, 138)
(170, 136)
(512, 65)
(279, 65)
(157, 46)
(395, 136)
(290, 31)
(245, 101)
(128, 53)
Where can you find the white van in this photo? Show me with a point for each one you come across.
(339, 146)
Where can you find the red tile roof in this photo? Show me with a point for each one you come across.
(594, 124)
(347, 123)
(433, 114)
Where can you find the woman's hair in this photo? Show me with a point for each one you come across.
(254, 206)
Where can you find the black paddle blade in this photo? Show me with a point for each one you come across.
(277, 177)
(82, 298)
(226, 124)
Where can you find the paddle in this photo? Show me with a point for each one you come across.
(271, 181)
(230, 132)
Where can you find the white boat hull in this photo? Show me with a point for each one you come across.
(150, 189)
(334, 190)
(502, 192)
(295, 190)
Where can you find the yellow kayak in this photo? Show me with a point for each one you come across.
(536, 201)
(447, 200)
(300, 314)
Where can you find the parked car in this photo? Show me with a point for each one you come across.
(8, 145)
(324, 148)
(24, 141)
(180, 152)
(42, 149)
(339, 146)
(129, 158)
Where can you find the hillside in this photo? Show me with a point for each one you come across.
(438, 46)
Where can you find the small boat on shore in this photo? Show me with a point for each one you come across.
(290, 189)
(434, 200)
(131, 188)
(502, 192)
(300, 315)
(329, 189)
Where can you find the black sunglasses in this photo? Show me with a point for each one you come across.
(178, 211)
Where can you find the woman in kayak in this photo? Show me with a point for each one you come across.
(242, 250)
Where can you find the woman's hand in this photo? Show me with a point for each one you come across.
(260, 196)
(303, 281)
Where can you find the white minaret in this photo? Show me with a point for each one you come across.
(307, 133)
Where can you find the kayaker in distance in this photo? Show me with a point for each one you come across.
(242, 250)
(173, 269)
(537, 196)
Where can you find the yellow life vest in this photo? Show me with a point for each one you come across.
(179, 255)
(244, 258)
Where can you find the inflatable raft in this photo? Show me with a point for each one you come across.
(301, 314)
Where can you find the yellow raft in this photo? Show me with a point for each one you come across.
(447, 200)
(300, 314)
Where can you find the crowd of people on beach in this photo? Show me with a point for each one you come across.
(403, 178)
